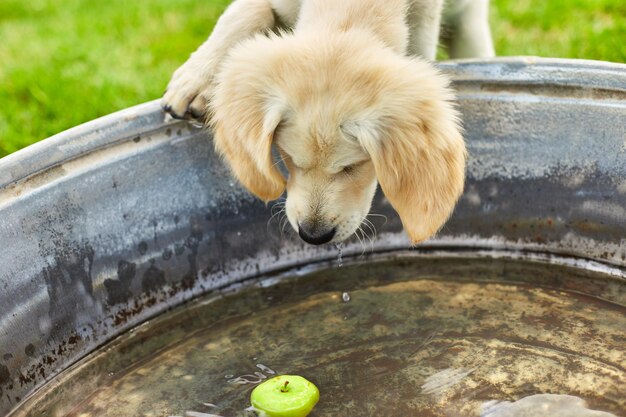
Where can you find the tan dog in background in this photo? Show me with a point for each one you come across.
(343, 91)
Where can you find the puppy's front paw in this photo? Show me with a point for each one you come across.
(188, 92)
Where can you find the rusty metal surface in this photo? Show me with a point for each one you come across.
(114, 221)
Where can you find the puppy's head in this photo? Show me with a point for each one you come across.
(343, 111)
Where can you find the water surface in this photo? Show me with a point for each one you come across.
(411, 337)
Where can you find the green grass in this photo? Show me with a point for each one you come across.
(63, 63)
(585, 29)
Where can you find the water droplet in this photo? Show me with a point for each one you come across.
(111, 373)
(339, 247)
(345, 297)
(229, 376)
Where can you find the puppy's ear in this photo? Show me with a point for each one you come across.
(244, 115)
(414, 139)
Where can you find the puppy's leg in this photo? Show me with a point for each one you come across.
(424, 19)
(190, 88)
(470, 33)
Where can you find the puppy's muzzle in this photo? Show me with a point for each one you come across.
(316, 234)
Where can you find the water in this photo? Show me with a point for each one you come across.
(339, 247)
(418, 337)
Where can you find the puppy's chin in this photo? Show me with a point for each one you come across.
(350, 227)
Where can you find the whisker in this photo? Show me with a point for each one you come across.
(278, 213)
(369, 238)
(280, 202)
(277, 210)
(278, 161)
(356, 233)
(371, 227)
(365, 236)
(283, 223)
(278, 206)
(378, 215)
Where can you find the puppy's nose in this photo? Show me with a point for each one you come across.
(315, 235)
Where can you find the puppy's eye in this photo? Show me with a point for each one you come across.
(348, 169)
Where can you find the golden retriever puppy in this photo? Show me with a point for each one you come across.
(342, 90)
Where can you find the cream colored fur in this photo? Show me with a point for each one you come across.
(342, 102)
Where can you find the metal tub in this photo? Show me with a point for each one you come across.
(118, 220)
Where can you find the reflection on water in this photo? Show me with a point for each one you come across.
(198, 414)
(254, 378)
(552, 405)
(443, 380)
(450, 337)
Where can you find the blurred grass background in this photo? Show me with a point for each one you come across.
(63, 63)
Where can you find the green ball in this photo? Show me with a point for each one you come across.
(285, 396)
